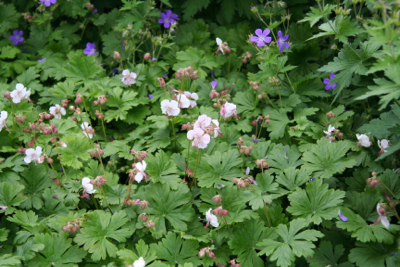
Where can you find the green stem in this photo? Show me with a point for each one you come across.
(197, 162)
(104, 128)
(229, 66)
(173, 131)
(94, 201)
(390, 191)
(266, 214)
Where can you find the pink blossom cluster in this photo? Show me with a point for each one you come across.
(261, 119)
(137, 173)
(149, 223)
(99, 181)
(139, 155)
(220, 212)
(97, 152)
(203, 127)
(246, 56)
(242, 148)
(72, 226)
(187, 72)
(101, 100)
(133, 202)
(262, 163)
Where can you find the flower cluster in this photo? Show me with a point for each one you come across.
(246, 56)
(138, 155)
(222, 46)
(128, 77)
(332, 133)
(87, 130)
(187, 72)
(246, 150)
(185, 99)
(137, 173)
(87, 186)
(203, 127)
(57, 111)
(33, 155)
(133, 202)
(72, 226)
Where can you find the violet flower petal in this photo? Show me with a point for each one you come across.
(342, 217)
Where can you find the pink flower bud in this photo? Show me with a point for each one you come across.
(211, 254)
(78, 100)
(116, 55)
(147, 56)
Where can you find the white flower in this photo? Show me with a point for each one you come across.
(383, 144)
(3, 119)
(62, 144)
(57, 111)
(140, 167)
(211, 219)
(139, 263)
(183, 101)
(87, 129)
(363, 140)
(193, 97)
(87, 186)
(227, 110)
(220, 45)
(19, 93)
(128, 77)
(199, 137)
(382, 218)
(33, 155)
(202, 122)
(329, 133)
(216, 129)
(170, 108)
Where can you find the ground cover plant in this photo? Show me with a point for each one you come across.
(199, 133)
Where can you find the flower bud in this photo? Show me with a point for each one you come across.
(147, 56)
(161, 82)
(116, 55)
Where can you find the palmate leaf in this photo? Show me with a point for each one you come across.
(8, 260)
(174, 250)
(142, 251)
(277, 125)
(57, 251)
(325, 159)
(195, 58)
(166, 204)
(315, 15)
(123, 101)
(316, 202)
(281, 158)
(373, 254)
(327, 255)
(364, 232)
(11, 196)
(81, 68)
(100, 227)
(292, 178)
(244, 242)
(216, 167)
(291, 243)
(162, 169)
(75, 152)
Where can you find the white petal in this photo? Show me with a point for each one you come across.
(385, 222)
(139, 177)
(139, 263)
(219, 41)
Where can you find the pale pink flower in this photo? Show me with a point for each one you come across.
(193, 97)
(382, 216)
(216, 128)
(128, 77)
(199, 137)
(329, 133)
(3, 207)
(202, 122)
(140, 167)
(87, 186)
(139, 263)
(57, 111)
(183, 101)
(228, 110)
(33, 155)
(383, 144)
(211, 219)
(170, 108)
(19, 93)
(363, 140)
(220, 45)
(87, 129)
(3, 119)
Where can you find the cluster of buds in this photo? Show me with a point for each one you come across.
(220, 212)
(207, 250)
(261, 119)
(7, 95)
(116, 55)
(187, 72)
(101, 100)
(330, 114)
(45, 158)
(244, 182)
(342, 11)
(246, 56)
(97, 151)
(133, 202)
(78, 99)
(150, 224)
(262, 163)
(224, 46)
(47, 129)
(147, 56)
(189, 173)
(45, 115)
(221, 99)
(143, 217)
(98, 181)
(233, 263)
(21, 150)
(77, 112)
(214, 94)
(99, 114)
(20, 118)
(138, 155)
(373, 181)
(245, 149)
(217, 199)
(255, 85)
(161, 82)
(273, 81)
(28, 17)
(64, 103)
(72, 226)
(89, 6)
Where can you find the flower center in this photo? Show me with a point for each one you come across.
(166, 20)
(92, 51)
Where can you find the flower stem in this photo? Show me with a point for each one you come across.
(390, 191)
(12, 115)
(197, 162)
(173, 131)
(128, 192)
(94, 201)
(266, 214)
(104, 128)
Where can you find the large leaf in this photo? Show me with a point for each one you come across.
(75, 152)
(161, 169)
(11, 196)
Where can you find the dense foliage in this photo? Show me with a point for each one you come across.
(199, 133)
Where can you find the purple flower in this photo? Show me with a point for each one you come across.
(167, 18)
(16, 37)
(327, 82)
(212, 74)
(123, 47)
(214, 84)
(150, 96)
(61, 169)
(90, 49)
(48, 2)
(24, 49)
(284, 149)
(262, 37)
(281, 41)
(95, 10)
(342, 217)
(312, 178)
(221, 185)
(115, 70)
(153, 59)
(41, 60)
(255, 140)
(165, 75)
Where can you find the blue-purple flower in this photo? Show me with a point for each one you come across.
(90, 49)
(312, 178)
(167, 18)
(150, 96)
(342, 217)
(214, 84)
(165, 75)
(281, 41)
(41, 60)
(262, 37)
(328, 84)
(48, 2)
(16, 37)
(95, 10)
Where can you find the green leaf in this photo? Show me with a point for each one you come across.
(191, 8)
(11, 195)
(277, 125)
(316, 202)
(195, 58)
(75, 152)
(161, 169)
(327, 255)
(372, 254)
(64, 89)
(292, 178)
(259, 194)
(81, 68)
(57, 251)
(291, 244)
(176, 251)
(97, 231)
(123, 101)
(7, 260)
(216, 167)
(315, 15)
(142, 251)
(325, 159)
(8, 52)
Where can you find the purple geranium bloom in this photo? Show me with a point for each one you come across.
(90, 49)
(214, 84)
(165, 75)
(95, 10)
(281, 41)
(212, 74)
(312, 178)
(342, 217)
(221, 185)
(153, 59)
(262, 37)
(327, 82)
(167, 18)
(150, 96)
(255, 140)
(123, 47)
(48, 2)
(41, 60)
(16, 37)
(115, 70)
